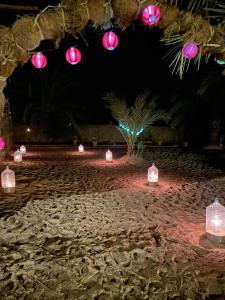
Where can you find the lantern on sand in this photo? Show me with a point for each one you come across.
(23, 149)
(110, 40)
(81, 148)
(39, 60)
(190, 50)
(73, 56)
(150, 15)
(2, 143)
(108, 156)
(215, 221)
(8, 180)
(153, 174)
(18, 156)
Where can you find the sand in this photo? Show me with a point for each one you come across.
(80, 228)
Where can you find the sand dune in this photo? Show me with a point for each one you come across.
(80, 228)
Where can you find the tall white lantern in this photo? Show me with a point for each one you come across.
(8, 180)
(108, 156)
(18, 156)
(23, 149)
(153, 174)
(215, 221)
(81, 148)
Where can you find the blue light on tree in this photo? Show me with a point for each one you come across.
(130, 131)
(220, 62)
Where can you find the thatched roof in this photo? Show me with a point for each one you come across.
(72, 16)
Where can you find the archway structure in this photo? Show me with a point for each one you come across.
(19, 40)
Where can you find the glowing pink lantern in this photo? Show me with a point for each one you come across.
(153, 174)
(81, 148)
(108, 156)
(8, 180)
(190, 50)
(110, 40)
(2, 143)
(39, 60)
(150, 15)
(73, 56)
(215, 219)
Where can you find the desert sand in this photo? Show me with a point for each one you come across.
(80, 228)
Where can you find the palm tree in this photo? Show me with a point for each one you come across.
(132, 119)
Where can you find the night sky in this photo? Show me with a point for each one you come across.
(137, 65)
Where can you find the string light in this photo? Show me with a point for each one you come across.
(131, 131)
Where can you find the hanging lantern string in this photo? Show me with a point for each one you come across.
(108, 9)
(140, 3)
(47, 8)
(60, 6)
(18, 46)
(85, 3)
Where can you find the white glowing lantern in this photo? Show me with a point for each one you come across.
(108, 156)
(81, 148)
(153, 174)
(23, 149)
(215, 219)
(8, 180)
(18, 156)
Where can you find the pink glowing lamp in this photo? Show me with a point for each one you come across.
(190, 50)
(108, 156)
(73, 56)
(215, 219)
(81, 148)
(150, 15)
(2, 143)
(8, 180)
(153, 175)
(39, 60)
(110, 40)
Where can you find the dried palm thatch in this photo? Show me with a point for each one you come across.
(201, 31)
(52, 24)
(125, 12)
(76, 15)
(6, 69)
(169, 16)
(2, 104)
(26, 33)
(8, 48)
(3, 83)
(100, 12)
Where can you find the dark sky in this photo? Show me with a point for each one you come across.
(137, 65)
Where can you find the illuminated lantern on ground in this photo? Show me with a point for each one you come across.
(39, 60)
(23, 149)
(81, 148)
(18, 156)
(73, 56)
(110, 40)
(190, 50)
(150, 15)
(153, 174)
(2, 143)
(8, 180)
(108, 156)
(215, 221)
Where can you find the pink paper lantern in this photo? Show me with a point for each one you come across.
(110, 40)
(150, 14)
(39, 60)
(190, 50)
(73, 56)
(2, 143)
